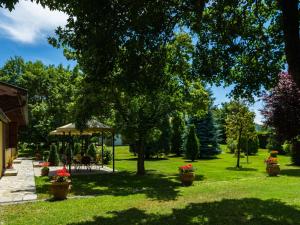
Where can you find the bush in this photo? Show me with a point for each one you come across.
(296, 153)
(263, 139)
(53, 156)
(46, 155)
(192, 144)
(287, 147)
(251, 144)
(274, 144)
(231, 145)
(77, 148)
(107, 156)
(92, 151)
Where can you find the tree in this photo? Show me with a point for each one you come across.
(220, 115)
(239, 125)
(51, 94)
(53, 156)
(192, 144)
(206, 131)
(141, 104)
(178, 128)
(92, 151)
(282, 110)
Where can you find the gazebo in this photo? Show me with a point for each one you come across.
(92, 127)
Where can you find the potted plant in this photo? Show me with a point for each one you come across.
(45, 169)
(60, 184)
(272, 168)
(186, 174)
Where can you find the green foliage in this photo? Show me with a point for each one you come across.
(51, 94)
(107, 156)
(287, 147)
(274, 144)
(231, 145)
(92, 151)
(53, 156)
(192, 144)
(77, 148)
(250, 145)
(240, 125)
(206, 131)
(263, 139)
(296, 152)
(178, 129)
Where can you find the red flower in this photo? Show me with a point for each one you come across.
(63, 172)
(44, 164)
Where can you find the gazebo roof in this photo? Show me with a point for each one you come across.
(92, 126)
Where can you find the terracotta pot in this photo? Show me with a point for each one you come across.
(273, 169)
(60, 190)
(187, 178)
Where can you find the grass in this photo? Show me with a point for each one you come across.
(222, 194)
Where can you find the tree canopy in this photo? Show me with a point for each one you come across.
(51, 94)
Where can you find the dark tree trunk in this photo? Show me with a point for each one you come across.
(290, 25)
(141, 157)
(296, 152)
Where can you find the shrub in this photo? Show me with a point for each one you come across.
(46, 155)
(92, 151)
(192, 144)
(107, 156)
(77, 148)
(53, 156)
(231, 145)
(296, 153)
(263, 139)
(287, 147)
(177, 135)
(274, 144)
(250, 144)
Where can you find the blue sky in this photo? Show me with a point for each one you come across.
(24, 32)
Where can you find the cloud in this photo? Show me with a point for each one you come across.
(29, 22)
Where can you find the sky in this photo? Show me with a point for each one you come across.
(24, 32)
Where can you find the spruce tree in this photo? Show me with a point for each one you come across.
(207, 132)
(192, 144)
(92, 151)
(177, 135)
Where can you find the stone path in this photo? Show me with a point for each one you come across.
(21, 187)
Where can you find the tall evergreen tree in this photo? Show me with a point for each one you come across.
(177, 135)
(207, 132)
(192, 144)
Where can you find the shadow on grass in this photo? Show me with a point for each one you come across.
(154, 186)
(290, 172)
(240, 169)
(248, 211)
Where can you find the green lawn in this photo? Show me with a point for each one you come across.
(221, 195)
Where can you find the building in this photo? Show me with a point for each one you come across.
(13, 115)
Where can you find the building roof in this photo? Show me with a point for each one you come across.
(13, 102)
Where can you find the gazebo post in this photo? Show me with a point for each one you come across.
(102, 149)
(63, 142)
(69, 152)
(113, 145)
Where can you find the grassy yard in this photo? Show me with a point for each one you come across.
(221, 195)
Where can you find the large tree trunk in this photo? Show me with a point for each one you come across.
(141, 157)
(290, 25)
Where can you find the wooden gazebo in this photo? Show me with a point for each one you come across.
(92, 127)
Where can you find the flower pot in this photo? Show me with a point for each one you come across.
(45, 172)
(60, 190)
(187, 178)
(273, 169)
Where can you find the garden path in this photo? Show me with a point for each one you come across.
(21, 187)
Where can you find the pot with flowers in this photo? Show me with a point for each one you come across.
(272, 168)
(60, 184)
(186, 174)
